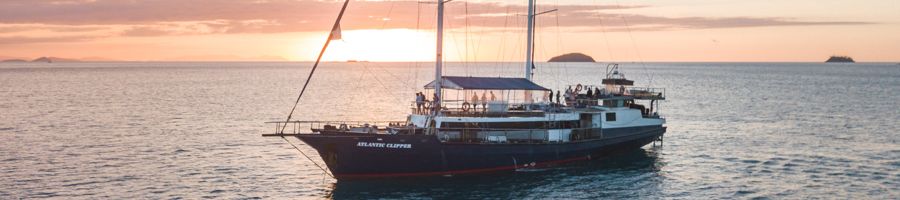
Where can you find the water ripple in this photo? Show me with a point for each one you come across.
(191, 131)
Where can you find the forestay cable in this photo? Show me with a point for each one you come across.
(307, 157)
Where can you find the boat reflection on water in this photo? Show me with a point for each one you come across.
(633, 173)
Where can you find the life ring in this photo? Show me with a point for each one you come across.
(578, 88)
(466, 106)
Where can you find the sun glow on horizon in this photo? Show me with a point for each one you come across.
(380, 46)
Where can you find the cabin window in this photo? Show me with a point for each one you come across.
(610, 116)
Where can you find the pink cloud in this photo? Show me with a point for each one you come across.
(179, 17)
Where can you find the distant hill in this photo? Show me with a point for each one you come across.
(572, 57)
(53, 59)
(14, 60)
(840, 59)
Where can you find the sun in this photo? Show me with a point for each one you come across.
(380, 46)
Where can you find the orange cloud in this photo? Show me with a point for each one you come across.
(176, 17)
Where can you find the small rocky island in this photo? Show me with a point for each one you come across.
(43, 59)
(572, 57)
(840, 59)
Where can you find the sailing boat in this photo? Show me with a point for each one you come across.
(449, 137)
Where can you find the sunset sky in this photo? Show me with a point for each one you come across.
(615, 30)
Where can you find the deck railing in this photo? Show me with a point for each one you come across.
(646, 92)
(494, 109)
(465, 135)
(295, 127)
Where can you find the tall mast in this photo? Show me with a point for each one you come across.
(529, 54)
(438, 78)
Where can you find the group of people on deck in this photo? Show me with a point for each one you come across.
(571, 95)
(483, 100)
(420, 103)
(421, 108)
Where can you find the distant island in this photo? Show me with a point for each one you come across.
(54, 59)
(14, 60)
(572, 57)
(840, 59)
(41, 60)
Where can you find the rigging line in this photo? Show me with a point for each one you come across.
(603, 32)
(466, 42)
(634, 45)
(357, 85)
(336, 26)
(387, 18)
(418, 42)
(502, 42)
(473, 42)
(519, 46)
(307, 157)
(392, 74)
(386, 88)
(453, 36)
(559, 48)
(502, 53)
(476, 47)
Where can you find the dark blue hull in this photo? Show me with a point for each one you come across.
(350, 155)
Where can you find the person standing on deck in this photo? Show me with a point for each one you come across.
(551, 96)
(420, 100)
(483, 101)
(474, 102)
(434, 107)
(557, 97)
(493, 98)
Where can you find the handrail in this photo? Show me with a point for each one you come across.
(340, 121)
(311, 125)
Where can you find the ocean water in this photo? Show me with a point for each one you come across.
(192, 130)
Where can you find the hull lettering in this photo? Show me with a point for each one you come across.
(384, 145)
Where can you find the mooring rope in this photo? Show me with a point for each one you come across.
(307, 157)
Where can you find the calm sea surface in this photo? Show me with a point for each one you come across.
(192, 130)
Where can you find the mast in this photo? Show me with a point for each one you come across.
(529, 52)
(438, 78)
